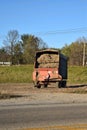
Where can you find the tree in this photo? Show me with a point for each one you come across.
(18, 54)
(10, 41)
(66, 50)
(3, 55)
(75, 52)
(31, 44)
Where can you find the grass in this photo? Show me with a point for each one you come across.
(16, 74)
(23, 74)
(77, 75)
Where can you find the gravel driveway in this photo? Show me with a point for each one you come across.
(26, 93)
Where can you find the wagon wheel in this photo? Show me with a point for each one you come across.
(62, 84)
(37, 84)
(59, 84)
(45, 85)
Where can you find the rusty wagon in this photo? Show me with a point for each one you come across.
(49, 66)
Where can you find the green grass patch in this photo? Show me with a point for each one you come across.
(77, 75)
(16, 74)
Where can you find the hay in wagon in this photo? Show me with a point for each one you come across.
(48, 61)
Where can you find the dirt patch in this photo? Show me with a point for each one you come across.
(27, 88)
(27, 93)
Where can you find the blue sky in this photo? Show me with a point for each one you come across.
(56, 22)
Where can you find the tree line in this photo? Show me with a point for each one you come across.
(76, 52)
(20, 49)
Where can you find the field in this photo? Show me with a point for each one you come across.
(23, 74)
(77, 75)
(16, 74)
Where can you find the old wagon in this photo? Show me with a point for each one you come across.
(50, 66)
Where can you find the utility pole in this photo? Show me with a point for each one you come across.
(83, 54)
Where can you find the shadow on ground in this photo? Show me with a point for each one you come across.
(77, 86)
(8, 96)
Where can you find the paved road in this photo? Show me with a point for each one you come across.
(37, 115)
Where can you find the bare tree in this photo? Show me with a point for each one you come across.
(10, 41)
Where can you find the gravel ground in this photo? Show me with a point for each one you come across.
(26, 93)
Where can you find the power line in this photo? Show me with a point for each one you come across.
(74, 30)
(65, 31)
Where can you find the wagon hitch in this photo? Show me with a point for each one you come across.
(46, 82)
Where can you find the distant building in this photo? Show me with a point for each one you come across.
(5, 63)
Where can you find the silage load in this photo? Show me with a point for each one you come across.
(48, 60)
(49, 65)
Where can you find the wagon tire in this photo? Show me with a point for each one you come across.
(38, 85)
(59, 84)
(45, 85)
(62, 84)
